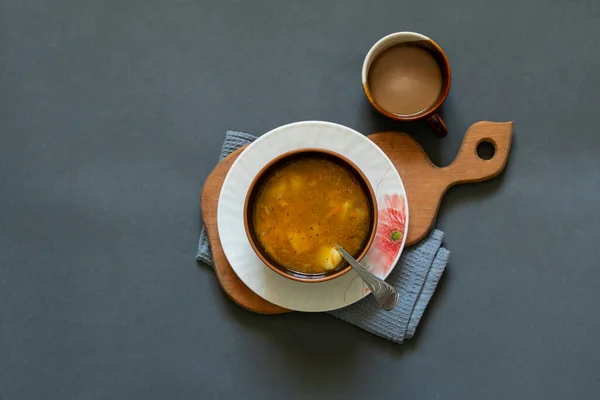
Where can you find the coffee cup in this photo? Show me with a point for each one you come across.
(406, 76)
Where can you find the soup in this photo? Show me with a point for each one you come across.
(306, 207)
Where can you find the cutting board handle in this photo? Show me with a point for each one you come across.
(468, 166)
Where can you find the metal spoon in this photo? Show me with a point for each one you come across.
(384, 293)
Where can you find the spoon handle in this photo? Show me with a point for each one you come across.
(384, 293)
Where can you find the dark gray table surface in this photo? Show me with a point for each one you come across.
(112, 114)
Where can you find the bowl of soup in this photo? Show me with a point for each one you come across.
(304, 204)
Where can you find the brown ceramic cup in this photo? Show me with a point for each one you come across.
(422, 41)
(271, 167)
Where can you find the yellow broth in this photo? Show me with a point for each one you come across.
(305, 209)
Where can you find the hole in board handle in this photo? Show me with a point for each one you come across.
(486, 150)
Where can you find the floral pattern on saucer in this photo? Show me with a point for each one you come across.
(390, 232)
(389, 238)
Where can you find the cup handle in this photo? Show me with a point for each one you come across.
(438, 126)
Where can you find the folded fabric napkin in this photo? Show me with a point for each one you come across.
(415, 277)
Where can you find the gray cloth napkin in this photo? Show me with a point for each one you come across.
(415, 277)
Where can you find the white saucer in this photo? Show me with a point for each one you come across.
(391, 203)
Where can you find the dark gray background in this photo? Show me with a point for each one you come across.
(112, 114)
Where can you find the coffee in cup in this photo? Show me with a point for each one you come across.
(406, 76)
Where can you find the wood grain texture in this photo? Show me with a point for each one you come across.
(425, 185)
(229, 281)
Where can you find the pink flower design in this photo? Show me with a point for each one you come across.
(390, 233)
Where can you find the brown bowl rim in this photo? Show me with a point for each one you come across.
(282, 270)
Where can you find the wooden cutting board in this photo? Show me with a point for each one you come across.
(424, 182)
